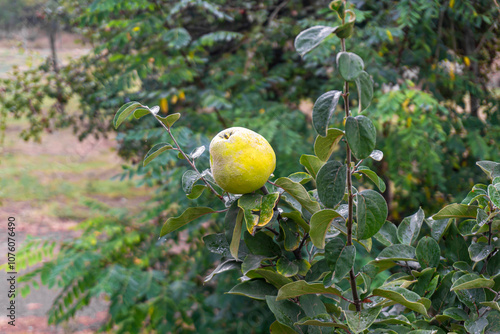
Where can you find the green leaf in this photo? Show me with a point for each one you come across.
(493, 305)
(476, 326)
(176, 38)
(141, 112)
(300, 177)
(388, 234)
(482, 217)
(317, 271)
(196, 191)
(197, 152)
(404, 297)
(156, 151)
(300, 288)
(297, 218)
(277, 328)
(457, 211)
(262, 244)
(250, 204)
(361, 136)
(346, 29)
(323, 110)
(217, 243)
(359, 321)
(299, 193)
(409, 228)
(364, 84)
(494, 194)
(472, 281)
(224, 266)
(267, 208)
(292, 235)
(311, 38)
(324, 146)
(286, 267)
(125, 111)
(271, 276)
(322, 320)
(311, 163)
(169, 120)
(439, 227)
(320, 223)
(189, 178)
(397, 252)
(397, 320)
(479, 251)
(331, 183)
(371, 213)
(236, 237)
(350, 65)
(493, 266)
(332, 251)
(344, 263)
(372, 176)
(285, 311)
(491, 168)
(255, 289)
(187, 216)
(456, 314)
(428, 252)
(252, 262)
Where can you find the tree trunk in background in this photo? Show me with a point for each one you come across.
(52, 37)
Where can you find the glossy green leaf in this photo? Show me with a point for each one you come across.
(297, 218)
(476, 326)
(371, 213)
(428, 252)
(300, 177)
(292, 235)
(125, 111)
(491, 168)
(472, 281)
(311, 38)
(398, 252)
(323, 110)
(397, 320)
(277, 328)
(317, 271)
(346, 29)
(324, 146)
(482, 217)
(141, 112)
(255, 289)
(262, 244)
(217, 243)
(320, 223)
(456, 314)
(409, 228)
(491, 304)
(344, 263)
(299, 193)
(331, 183)
(332, 251)
(364, 83)
(361, 136)
(457, 211)
(350, 65)
(196, 191)
(493, 266)
(285, 311)
(187, 216)
(360, 321)
(311, 163)
(300, 288)
(388, 234)
(270, 276)
(156, 151)
(321, 320)
(479, 251)
(169, 120)
(439, 227)
(404, 297)
(372, 176)
(286, 267)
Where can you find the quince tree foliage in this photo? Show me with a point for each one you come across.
(296, 240)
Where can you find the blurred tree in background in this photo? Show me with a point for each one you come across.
(232, 63)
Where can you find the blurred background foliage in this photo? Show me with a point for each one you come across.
(232, 63)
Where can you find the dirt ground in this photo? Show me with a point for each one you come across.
(44, 186)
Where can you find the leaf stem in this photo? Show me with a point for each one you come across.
(191, 163)
(350, 203)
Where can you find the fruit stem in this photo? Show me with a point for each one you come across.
(191, 163)
(350, 203)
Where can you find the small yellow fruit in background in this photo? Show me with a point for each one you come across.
(241, 160)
